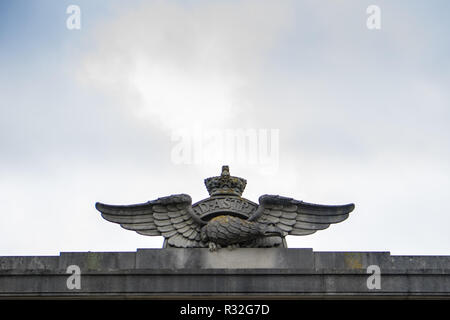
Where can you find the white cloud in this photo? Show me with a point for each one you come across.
(186, 64)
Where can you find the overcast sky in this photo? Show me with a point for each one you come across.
(92, 115)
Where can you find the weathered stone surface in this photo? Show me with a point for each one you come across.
(270, 272)
(225, 218)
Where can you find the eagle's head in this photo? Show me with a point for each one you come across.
(269, 229)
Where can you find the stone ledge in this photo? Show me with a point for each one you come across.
(197, 272)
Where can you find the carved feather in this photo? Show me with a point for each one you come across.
(171, 217)
(297, 217)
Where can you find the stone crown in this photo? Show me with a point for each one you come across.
(225, 184)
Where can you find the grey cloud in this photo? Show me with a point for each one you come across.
(362, 118)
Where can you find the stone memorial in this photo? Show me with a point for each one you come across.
(225, 218)
(225, 246)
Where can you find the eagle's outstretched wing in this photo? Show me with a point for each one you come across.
(171, 217)
(296, 217)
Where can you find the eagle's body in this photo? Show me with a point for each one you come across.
(227, 230)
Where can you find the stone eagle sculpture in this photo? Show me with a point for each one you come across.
(225, 219)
